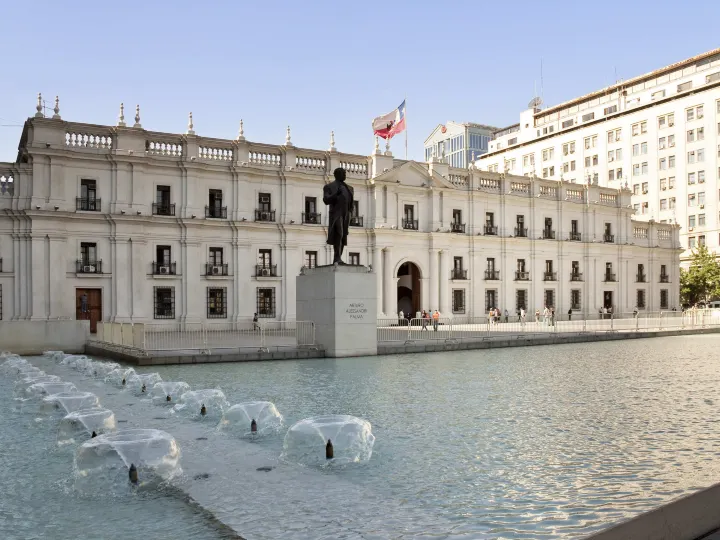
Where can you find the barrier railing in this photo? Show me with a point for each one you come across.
(486, 327)
(207, 338)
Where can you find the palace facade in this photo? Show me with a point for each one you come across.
(126, 224)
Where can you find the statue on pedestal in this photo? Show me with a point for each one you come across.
(339, 198)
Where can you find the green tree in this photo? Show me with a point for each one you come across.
(701, 281)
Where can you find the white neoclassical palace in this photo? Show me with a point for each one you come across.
(117, 223)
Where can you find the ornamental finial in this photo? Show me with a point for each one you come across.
(56, 109)
(288, 142)
(332, 142)
(377, 145)
(121, 116)
(190, 130)
(241, 132)
(137, 117)
(39, 106)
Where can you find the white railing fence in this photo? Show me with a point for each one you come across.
(485, 327)
(208, 338)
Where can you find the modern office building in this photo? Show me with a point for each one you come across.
(657, 133)
(458, 143)
(120, 224)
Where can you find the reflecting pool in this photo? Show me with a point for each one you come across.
(511, 443)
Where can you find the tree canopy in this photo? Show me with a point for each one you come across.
(700, 282)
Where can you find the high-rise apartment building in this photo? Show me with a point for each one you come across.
(658, 133)
(458, 143)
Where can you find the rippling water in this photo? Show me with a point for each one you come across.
(513, 443)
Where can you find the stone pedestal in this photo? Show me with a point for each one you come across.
(342, 302)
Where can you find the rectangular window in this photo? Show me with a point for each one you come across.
(701, 240)
(575, 299)
(216, 256)
(88, 253)
(162, 255)
(671, 182)
(264, 202)
(611, 174)
(310, 207)
(645, 188)
(691, 156)
(215, 198)
(409, 211)
(643, 148)
(310, 259)
(662, 141)
(265, 258)
(671, 162)
(701, 220)
(644, 167)
(684, 86)
(691, 221)
(640, 303)
(664, 299)
(549, 297)
(162, 195)
(691, 242)
(610, 110)
(657, 95)
(700, 155)
(354, 259)
(458, 305)
(671, 203)
(701, 198)
(164, 302)
(636, 169)
(691, 178)
(490, 264)
(490, 299)
(701, 177)
(521, 300)
(663, 204)
(567, 123)
(587, 117)
(217, 302)
(266, 302)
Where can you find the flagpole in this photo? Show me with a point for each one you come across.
(406, 128)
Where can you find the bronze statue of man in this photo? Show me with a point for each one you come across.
(339, 198)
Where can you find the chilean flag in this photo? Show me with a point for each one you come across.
(390, 124)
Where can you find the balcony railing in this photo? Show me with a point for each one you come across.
(264, 215)
(459, 273)
(521, 232)
(266, 270)
(576, 236)
(312, 218)
(609, 238)
(522, 276)
(491, 230)
(161, 269)
(216, 269)
(163, 209)
(457, 227)
(609, 277)
(641, 278)
(87, 205)
(410, 224)
(492, 274)
(216, 212)
(576, 276)
(549, 276)
(663, 278)
(356, 221)
(548, 234)
(84, 266)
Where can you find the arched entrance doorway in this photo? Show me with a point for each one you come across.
(408, 289)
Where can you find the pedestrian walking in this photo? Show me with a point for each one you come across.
(425, 320)
(537, 316)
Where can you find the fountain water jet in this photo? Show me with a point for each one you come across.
(346, 439)
(78, 424)
(252, 419)
(71, 401)
(161, 391)
(117, 376)
(138, 383)
(108, 458)
(192, 402)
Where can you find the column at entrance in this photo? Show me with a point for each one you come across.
(434, 281)
(378, 270)
(389, 284)
(444, 284)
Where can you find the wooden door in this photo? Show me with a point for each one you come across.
(88, 306)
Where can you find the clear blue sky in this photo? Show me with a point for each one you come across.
(322, 66)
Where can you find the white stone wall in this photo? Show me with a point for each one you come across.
(39, 244)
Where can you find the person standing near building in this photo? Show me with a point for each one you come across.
(537, 316)
(425, 318)
(256, 324)
(522, 316)
(436, 320)
(507, 316)
(570, 314)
